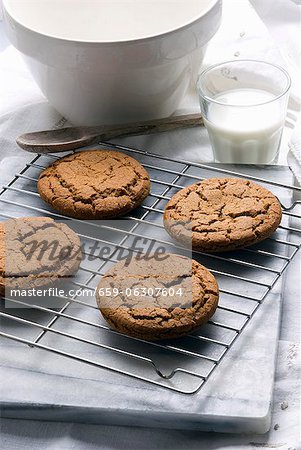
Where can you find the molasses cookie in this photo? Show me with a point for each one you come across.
(221, 214)
(35, 252)
(155, 299)
(96, 184)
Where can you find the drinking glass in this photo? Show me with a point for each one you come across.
(244, 105)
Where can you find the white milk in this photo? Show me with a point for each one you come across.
(106, 20)
(245, 134)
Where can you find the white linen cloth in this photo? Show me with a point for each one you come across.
(294, 155)
(23, 108)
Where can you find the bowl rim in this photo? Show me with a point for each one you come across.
(210, 7)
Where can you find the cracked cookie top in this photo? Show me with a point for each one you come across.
(96, 184)
(36, 251)
(152, 298)
(221, 214)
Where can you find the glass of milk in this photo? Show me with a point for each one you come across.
(244, 105)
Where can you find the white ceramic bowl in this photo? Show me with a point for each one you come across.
(92, 82)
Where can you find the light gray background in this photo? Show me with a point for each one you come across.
(24, 106)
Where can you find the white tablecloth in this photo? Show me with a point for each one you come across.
(23, 108)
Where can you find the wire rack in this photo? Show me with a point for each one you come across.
(245, 278)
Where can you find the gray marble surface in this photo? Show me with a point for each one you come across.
(237, 398)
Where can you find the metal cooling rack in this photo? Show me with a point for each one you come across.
(245, 278)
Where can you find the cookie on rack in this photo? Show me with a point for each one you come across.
(153, 299)
(222, 214)
(36, 252)
(95, 184)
